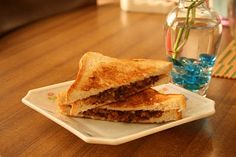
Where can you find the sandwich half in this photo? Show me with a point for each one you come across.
(102, 80)
(148, 106)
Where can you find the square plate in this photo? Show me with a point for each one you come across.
(43, 100)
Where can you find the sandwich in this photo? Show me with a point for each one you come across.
(148, 106)
(103, 80)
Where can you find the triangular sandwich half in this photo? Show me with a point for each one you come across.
(102, 79)
(148, 106)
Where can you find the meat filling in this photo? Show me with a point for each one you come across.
(122, 116)
(115, 94)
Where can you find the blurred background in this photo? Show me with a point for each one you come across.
(16, 13)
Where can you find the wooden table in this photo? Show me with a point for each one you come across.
(48, 51)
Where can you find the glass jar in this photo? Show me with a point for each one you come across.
(192, 36)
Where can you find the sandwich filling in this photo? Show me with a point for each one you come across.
(120, 93)
(122, 116)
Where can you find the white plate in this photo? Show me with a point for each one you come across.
(43, 100)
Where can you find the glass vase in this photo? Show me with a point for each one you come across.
(192, 36)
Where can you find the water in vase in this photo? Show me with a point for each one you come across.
(193, 66)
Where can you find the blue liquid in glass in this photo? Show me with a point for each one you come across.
(193, 74)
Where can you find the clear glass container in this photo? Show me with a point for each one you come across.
(192, 36)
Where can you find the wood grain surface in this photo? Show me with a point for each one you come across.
(48, 51)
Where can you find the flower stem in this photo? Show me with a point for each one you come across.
(185, 30)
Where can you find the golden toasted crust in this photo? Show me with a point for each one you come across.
(98, 73)
(149, 99)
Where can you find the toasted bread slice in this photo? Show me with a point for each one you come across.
(149, 99)
(98, 73)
